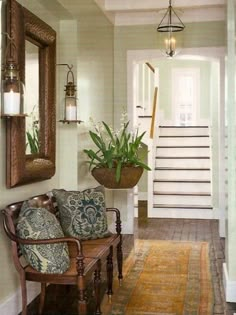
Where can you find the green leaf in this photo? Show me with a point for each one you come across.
(109, 132)
(118, 171)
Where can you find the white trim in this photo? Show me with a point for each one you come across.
(153, 17)
(181, 213)
(229, 285)
(13, 306)
(139, 12)
(121, 5)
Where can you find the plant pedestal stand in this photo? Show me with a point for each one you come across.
(124, 201)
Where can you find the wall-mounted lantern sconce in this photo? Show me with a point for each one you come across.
(12, 87)
(70, 102)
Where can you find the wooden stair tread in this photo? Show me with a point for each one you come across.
(183, 146)
(181, 169)
(180, 181)
(184, 126)
(175, 193)
(187, 136)
(183, 157)
(183, 206)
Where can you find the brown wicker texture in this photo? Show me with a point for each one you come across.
(23, 25)
(129, 177)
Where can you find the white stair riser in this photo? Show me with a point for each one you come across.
(184, 131)
(180, 141)
(182, 200)
(182, 187)
(183, 152)
(182, 213)
(173, 174)
(189, 163)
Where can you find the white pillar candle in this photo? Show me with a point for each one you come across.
(71, 108)
(11, 103)
(71, 113)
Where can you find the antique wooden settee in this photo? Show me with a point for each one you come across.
(85, 256)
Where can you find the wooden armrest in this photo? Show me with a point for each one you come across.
(118, 220)
(19, 240)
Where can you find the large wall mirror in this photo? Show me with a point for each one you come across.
(36, 51)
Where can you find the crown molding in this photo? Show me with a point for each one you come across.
(187, 16)
(139, 12)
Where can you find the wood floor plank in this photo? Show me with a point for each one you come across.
(162, 229)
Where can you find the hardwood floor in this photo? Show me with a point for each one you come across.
(162, 229)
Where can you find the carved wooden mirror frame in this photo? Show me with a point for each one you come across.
(23, 25)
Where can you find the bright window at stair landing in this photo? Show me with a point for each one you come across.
(185, 96)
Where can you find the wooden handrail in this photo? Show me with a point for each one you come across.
(154, 108)
(150, 67)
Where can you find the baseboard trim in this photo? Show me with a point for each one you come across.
(181, 213)
(13, 306)
(229, 286)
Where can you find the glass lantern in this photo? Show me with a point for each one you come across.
(12, 87)
(70, 101)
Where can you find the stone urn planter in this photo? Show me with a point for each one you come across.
(130, 176)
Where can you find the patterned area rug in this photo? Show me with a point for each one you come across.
(164, 277)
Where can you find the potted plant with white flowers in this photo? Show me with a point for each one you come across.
(116, 160)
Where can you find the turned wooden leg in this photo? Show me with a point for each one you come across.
(82, 301)
(97, 286)
(23, 294)
(110, 273)
(42, 298)
(120, 261)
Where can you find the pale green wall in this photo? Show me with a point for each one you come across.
(138, 37)
(95, 81)
(94, 57)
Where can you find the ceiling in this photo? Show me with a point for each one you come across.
(134, 12)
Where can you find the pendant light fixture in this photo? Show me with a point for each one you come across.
(170, 24)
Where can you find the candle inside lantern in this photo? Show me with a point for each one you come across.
(71, 113)
(11, 103)
(172, 43)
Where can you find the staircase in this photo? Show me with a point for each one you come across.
(182, 179)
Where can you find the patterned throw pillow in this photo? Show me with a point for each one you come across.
(38, 223)
(82, 213)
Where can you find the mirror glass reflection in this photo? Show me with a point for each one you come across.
(32, 98)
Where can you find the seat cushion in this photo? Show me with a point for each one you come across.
(82, 213)
(38, 223)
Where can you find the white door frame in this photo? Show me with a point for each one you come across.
(201, 53)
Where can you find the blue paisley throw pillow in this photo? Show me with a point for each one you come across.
(83, 213)
(38, 223)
